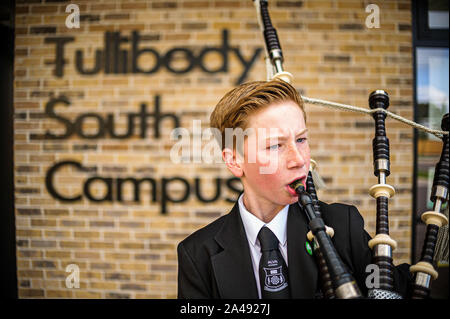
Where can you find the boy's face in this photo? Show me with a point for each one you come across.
(276, 153)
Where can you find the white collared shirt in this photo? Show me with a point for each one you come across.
(253, 225)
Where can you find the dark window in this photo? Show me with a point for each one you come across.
(431, 52)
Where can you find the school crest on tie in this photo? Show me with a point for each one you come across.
(275, 281)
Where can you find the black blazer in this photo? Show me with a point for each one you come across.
(214, 262)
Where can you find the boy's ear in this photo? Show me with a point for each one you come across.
(233, 162)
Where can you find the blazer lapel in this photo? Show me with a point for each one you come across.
(233, 266)
(303, 273)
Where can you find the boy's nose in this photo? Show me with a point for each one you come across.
(295, 158)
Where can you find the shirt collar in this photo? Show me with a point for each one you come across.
(253, 224)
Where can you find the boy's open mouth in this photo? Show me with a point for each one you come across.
(291, 184)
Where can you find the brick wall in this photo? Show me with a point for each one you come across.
(126, 248)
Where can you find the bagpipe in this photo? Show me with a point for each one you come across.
(335, 279)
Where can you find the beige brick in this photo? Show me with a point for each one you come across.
(87, 234)
(57, 254)
(59, 293)
(87, 294)
(103, 285)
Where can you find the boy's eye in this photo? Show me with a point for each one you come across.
(273, 147)
(301, 139)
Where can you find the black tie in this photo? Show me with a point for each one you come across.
(273, 274)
